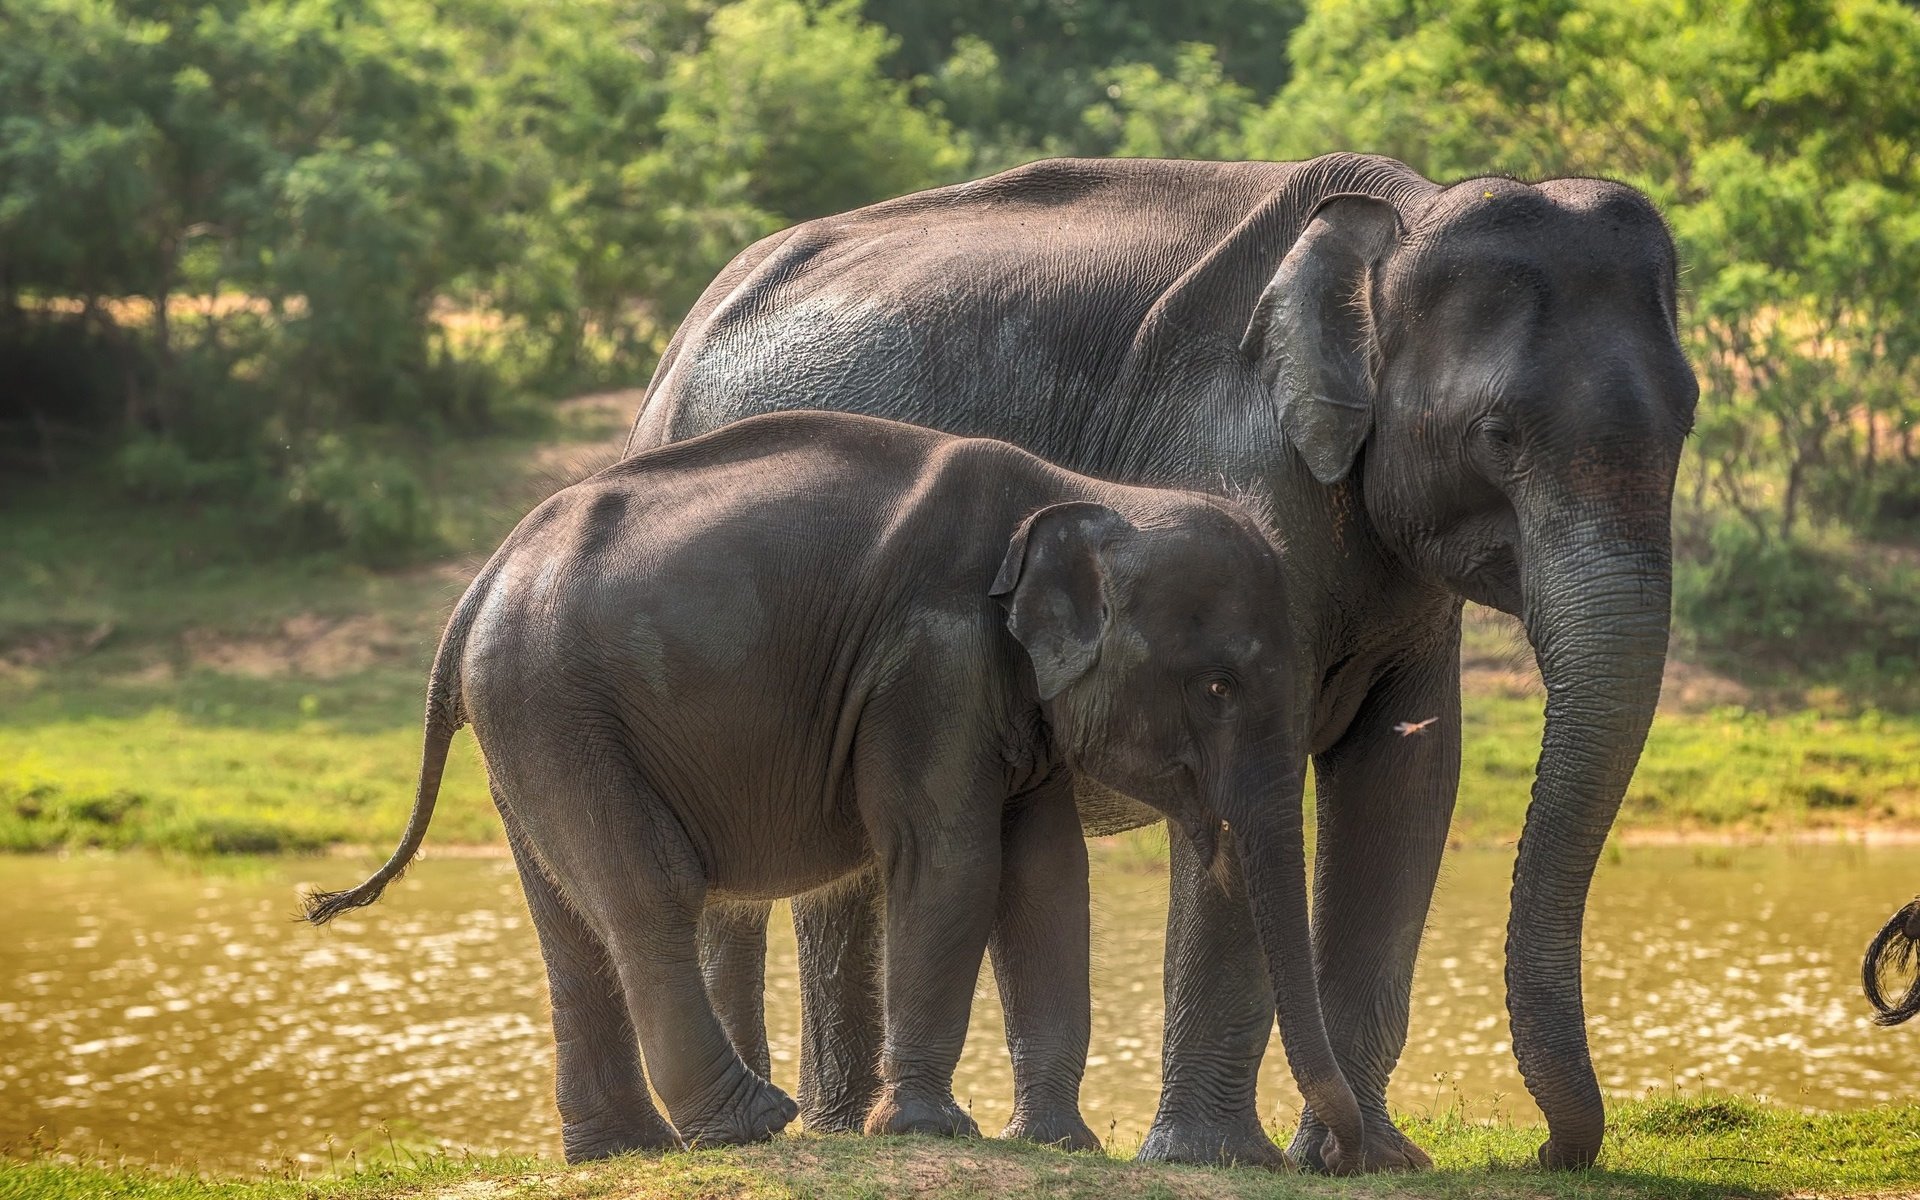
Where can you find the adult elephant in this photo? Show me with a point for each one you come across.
(1444, 393)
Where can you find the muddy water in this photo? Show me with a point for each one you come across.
(178, 1016)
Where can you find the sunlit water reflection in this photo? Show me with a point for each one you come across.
(175, 1016)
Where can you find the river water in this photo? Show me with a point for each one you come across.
(178, 1015)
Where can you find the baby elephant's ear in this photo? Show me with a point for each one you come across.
(1053, 584)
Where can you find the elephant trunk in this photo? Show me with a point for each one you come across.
(1267, 832)
(1596, 594)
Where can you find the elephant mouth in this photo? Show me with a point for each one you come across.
(1204, 835)
(1492, 578)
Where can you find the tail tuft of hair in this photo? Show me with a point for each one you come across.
(1894, 953)
(321, 907)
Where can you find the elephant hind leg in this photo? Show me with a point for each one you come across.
(626, 868)
(733, 961)
(838, 929)
(599, 1084)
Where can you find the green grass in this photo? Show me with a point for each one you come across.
(1713, 1147)
(1720, 770)
(167, 681)
(212, 763)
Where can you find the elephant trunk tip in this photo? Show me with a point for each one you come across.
(1580, 1155)
(1894, 951)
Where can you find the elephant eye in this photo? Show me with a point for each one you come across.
(1496, 433)
(1492, 447)
(1219, 689)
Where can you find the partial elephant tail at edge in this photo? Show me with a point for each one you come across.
(445, 715)
(1895, 949)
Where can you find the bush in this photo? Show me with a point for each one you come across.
(155, 468)
(1827, 609)
(1896, 506)
(366, 503)
(337, 494)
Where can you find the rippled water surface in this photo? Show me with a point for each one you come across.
(179, 1016)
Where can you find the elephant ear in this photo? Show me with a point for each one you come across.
(1311, 336)
(1053, 584)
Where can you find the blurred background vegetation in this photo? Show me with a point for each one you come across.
(269, 257)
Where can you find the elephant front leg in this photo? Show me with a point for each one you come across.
(838, 930)
(1041, 963)
(934, 821)
(1385, 801)
(1219, 1015)
(939, 910)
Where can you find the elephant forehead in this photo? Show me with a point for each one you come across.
(1563, 255)
(1183, 636)
(1128, 647)
(1501, 233)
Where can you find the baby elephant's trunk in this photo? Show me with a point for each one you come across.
(444, 717)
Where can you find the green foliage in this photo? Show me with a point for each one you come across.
(1783, 141)
(1017, 83)
(231, 231)
(156, 468)
(263, 779)
(1197, 113)
(236, 233)
(1816, 608)
(785, 106)
(366, 502)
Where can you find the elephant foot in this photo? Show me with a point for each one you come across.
(845, 1112)
(837, 1119)
(1058, 1127)
(1211, 1143)
(758, 1111)
(1388, 1150)
(591, 1141)
(1555, 1157)
(897, 1112)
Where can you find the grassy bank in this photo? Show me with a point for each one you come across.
(1661, 1148)
(218, 764)
(168, 681)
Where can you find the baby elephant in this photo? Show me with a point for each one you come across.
(809, 645)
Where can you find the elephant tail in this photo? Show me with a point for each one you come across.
(445, 715)
(1894, 951)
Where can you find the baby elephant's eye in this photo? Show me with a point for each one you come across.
(1219, 689)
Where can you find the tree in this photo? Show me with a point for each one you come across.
(1782, 140)
(788, 108)
(1051, 61)
(1198, 113)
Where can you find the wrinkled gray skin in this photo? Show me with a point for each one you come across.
(812, 647)
(1465, 392)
